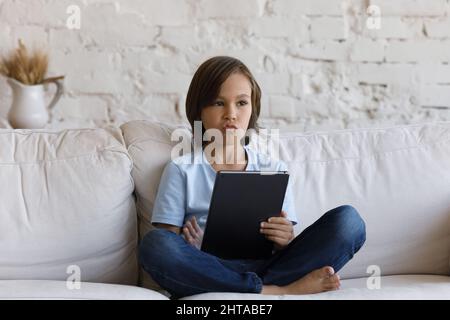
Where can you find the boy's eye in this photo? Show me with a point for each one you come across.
(240, 103)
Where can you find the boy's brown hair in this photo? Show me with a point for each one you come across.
(206, 83)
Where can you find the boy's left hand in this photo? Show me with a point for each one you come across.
(279, 230)
(193, 233)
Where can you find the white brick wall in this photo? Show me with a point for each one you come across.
(328, 28)
(419, 8)
(318, 63)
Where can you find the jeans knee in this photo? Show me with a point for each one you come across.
(349, 224)
(155, 246)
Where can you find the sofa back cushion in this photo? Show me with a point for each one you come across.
(66, 199)
(398, 178)
(149, 145)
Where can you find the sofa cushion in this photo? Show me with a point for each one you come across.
(149, 145)
(66, 198)
(401, 287)
(51, 289)
(397, 177)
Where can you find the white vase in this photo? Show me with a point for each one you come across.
(28, 110)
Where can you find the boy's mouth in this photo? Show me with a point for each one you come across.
(229, 126)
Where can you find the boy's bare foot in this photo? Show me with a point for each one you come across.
(320, 280)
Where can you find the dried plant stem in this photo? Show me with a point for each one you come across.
(27, 68)
(51, 79)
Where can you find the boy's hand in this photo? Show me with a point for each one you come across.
(193, 233)
(279, 230)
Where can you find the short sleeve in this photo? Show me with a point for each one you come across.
(288, 204)
(170, 201)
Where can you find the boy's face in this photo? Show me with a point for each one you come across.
(233, 106)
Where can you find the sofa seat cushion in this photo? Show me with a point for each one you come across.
(50, 289)
(409, 287)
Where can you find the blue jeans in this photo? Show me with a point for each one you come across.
(183, 270)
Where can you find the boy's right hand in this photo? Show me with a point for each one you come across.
(193, 233)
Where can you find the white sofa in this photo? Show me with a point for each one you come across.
(81, 199)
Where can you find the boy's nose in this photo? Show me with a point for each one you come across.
(230, 116)
(230, 113)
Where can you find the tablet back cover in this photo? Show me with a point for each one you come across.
(240, 201)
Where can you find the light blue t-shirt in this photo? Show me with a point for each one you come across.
(187, 183)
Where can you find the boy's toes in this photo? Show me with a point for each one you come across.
(332, 282)
(333, 278)
(329, 271)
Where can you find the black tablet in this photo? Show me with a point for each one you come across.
(240, 201)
